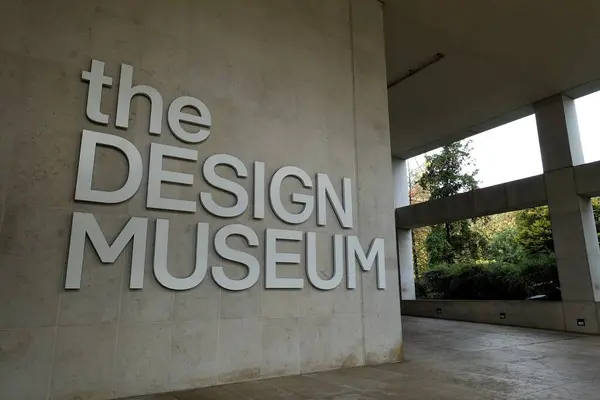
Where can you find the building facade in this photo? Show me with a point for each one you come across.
(192, 193)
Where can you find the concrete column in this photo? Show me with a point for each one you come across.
(401, 187)
(573, 226)
(403, 236)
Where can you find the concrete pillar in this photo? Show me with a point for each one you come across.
(401, 187)
(403, 236)
(573, 226)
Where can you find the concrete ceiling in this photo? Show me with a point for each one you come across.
(500, 56)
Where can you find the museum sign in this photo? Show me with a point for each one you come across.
(318, 192)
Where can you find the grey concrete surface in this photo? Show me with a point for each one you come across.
(403, 236)
(296, 83)
(505, 197)
(525, 313)
(586, 178)
(446, 360)
(495, 70)
(572, 216)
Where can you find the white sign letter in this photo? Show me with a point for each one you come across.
(161, 247)
(85, 170)
(312, 267)
(259, 190)
(97, 81)
(375, 252)
(237, 190)
(326, 191)
(272, 258)
(298, 198)
(222, 249)
(156, 176)
(126, 93)
(175, 116)
(85, 225)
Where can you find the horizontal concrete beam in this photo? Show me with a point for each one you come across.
(510, 196)
(587, 178)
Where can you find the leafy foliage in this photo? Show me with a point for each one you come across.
(454, 242)
(504, 247)
(420, 255)
(506, 256)
(418, 195)
(534, 231)
(492, 280)
(447, 172)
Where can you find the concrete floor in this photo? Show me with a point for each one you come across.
(446, 360)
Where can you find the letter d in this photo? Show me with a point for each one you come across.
(83, 189)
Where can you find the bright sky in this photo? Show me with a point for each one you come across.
(512, 151)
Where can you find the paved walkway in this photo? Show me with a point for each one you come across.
(446, 360)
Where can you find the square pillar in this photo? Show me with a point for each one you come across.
(573, 225)
(403, 236)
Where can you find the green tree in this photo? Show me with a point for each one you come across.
(503, 247)
(501, 235)
(419, 235)
(448, 173)
(534, 228)
(534, 231)
(596, 207)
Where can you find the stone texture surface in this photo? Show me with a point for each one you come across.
(573, 221)
(526, 313)
(83, 362)
(141, 359)
(505, 197)
(193, 360)
(288, 82)
(26, 362)
(446, 360)
(280, 350)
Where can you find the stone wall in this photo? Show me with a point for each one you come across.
(525, 313)
(288, 82)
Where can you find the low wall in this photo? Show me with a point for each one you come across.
(525, 313)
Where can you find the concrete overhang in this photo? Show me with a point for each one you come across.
(497, 58)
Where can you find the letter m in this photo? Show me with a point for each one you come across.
(375, 253)
(85, 226)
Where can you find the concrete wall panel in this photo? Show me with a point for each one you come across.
(11, 108)
(374, 177)
(289, 82)
(315, 338)
(26, 362)
(32, 258)
(280, 347)
(141, 359)
(575, 311)
(347, 350)
(83, 362)
(532, 314)
(193, 361)
(240, 344)
(561, 187)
